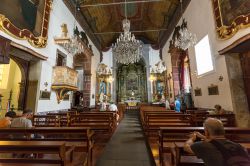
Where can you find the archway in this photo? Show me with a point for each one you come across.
(82, 63)
(11, 86)
(237, 56)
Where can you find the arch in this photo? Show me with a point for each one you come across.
(14, 89)
(83, 61)
(24, 68)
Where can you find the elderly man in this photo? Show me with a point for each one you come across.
(214, 149)
(24, 121)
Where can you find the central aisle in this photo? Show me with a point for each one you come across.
(127, 147)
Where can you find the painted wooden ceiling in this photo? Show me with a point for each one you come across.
(150, 19)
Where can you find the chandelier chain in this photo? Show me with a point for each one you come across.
(127, 49)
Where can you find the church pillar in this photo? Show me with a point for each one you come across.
(147, 67)
(239, 99)
(86, 89)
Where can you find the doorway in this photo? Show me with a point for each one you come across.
(245, 65)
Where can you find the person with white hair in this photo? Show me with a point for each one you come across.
(113, 107)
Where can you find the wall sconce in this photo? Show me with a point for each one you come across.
(221, 78)
(45, 84)
(110, 79)
(152, 78)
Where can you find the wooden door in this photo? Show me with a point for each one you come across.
(31, 98)
(245, 64)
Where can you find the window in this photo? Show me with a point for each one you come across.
(203, 56)
(61, 59)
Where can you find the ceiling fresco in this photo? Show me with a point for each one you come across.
(150, 19)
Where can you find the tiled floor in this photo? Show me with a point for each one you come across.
(127, 147)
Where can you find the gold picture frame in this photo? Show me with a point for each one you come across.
(39, 41)
(231, 16)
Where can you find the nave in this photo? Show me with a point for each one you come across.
(85, 82)
(127, 146)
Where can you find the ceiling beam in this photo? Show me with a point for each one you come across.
(118, 3)
(84, 24)
(174, 21)
(149, 30)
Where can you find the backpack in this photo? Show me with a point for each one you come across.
(233, 154)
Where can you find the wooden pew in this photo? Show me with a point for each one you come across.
(45, 121)
(153, 122)
(227, 119)
(168, 136)
(103, 123)
(199, 116)
(30, 147)
(62, 116)
(143, 115)
(79, 137)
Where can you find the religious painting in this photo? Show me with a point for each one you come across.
(197, 92)
(132, 83)
(230, 16)
(26, 19)
(213, 90)
(44, 95)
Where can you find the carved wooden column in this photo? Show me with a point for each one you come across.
(86, 89)
(175, 57)
(4, 50)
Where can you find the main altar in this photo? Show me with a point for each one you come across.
(132, 83)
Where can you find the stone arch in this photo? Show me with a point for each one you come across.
(24, 69)
(83, 61)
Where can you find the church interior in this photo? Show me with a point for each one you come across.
(120, 82)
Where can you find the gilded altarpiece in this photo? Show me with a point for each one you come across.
(103, 88)
(132, 83)
(159, 87)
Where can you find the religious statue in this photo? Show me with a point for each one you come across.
(160, 87)
(132, 93)
(101, 98)
(102, 88)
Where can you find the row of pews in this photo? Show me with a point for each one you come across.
(167, 131)
(62, 138)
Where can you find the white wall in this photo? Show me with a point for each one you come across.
(94, 64)
(154, 57)
(59, 15)
(200, 19)
(108, 58)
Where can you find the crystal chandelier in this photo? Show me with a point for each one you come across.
(127, 49)
(184, 39)
(73, 45)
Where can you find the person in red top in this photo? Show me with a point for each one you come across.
(6, 121)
